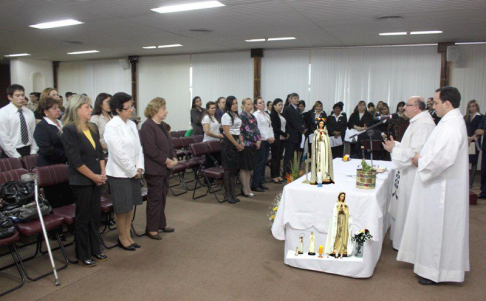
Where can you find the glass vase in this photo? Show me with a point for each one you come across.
(359, 250)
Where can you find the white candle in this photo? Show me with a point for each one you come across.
(319, 177)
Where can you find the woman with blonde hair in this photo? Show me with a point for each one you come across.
(160, 156)
(86, 161)
(125, 166)
(252, 140)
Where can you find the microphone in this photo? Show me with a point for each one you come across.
(383, 117)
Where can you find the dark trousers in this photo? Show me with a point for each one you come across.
(229, 182)
(261, 161)
(290, 148)
(59, 195)
(483, 171)
(158, 187)
(277, 153)
(23, 151)
(87, 220)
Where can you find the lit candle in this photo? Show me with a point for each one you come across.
(321, 250)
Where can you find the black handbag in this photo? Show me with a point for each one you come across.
(14, 194)
(7, 226)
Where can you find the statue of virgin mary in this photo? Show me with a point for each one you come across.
(321, 168)
(338, 243)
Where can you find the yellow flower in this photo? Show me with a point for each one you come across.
(361, 231)
(275, 208)
(272, 217)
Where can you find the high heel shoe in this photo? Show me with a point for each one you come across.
(129, 248)
(250, 195)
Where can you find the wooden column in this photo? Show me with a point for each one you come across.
(133, 63)
(444, 66)
(257, 55)
(55, 68)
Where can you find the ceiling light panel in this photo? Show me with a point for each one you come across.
(255, 40)
(150, 47)
(187, 6)
(17, 55)
(84, 52)
(426, 32)
(55, 24)
(281, 39)
(400, 33)
(169, 46)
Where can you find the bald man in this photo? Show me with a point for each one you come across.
(417, 133)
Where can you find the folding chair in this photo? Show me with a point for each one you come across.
(203, 149)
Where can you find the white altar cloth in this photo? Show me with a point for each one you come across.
(305, 208)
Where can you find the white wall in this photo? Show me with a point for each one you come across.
(33, 75)
(93, 77)
(468, 74)
(222, 74)
(166, 77)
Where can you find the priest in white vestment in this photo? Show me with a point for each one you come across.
(417, 133)
(436, 234)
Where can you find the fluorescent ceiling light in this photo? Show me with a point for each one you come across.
(255, 40)
(470, 43)
(56, 24)
(400, 33)
(169, 46)
(187, 6)
(150, 47)
(17, 55)
(83, 52)
(426, 32)
(281, 39)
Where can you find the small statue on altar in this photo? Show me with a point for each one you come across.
(338, 243)
(301, 243)
(312, 245)
(321, 168)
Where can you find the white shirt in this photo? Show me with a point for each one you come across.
(235, 127)
(101, 123)
(264, 125)
(213, 128)
(283, 123)
(59, 127)
(125, 155)
(10, 137)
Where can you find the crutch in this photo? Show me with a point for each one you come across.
(41, 219)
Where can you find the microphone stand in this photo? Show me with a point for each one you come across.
(370, 132)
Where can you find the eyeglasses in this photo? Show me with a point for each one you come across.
(409, 105)
(129, 108)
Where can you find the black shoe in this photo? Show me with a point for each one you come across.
(425, 281)
(168, 230)
(155, 237)
(277, 182)
(482, 195)
(129, 248)
(88, 263)
(250, 195)
(237, 200)
(100, 257)
(257, 189)
(136, 246)
(264, 187)
(233, 201)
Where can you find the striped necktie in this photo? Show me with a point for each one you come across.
(23, 129)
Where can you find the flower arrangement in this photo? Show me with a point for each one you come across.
(295, 171)
(272, 212)
(362, 236)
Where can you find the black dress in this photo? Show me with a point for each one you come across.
(472, 125)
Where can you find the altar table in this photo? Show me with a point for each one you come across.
(305, 208)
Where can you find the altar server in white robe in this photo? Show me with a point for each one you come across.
(417, 133)
(436, 234)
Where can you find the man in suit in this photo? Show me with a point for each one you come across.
(295, 127)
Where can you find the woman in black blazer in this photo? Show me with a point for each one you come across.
(280, 135)
(361, 118)
(47, 135)
(336, 126)
(86, 174)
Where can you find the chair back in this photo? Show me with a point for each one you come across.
(29, 162)
(187, 141)
(199, 138)
(177, 143)
(52, 175)
(199, 149)
(11, 175)
(214, 146)
(7, 164)
(176, 134)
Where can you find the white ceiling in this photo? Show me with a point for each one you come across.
(118, 28)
